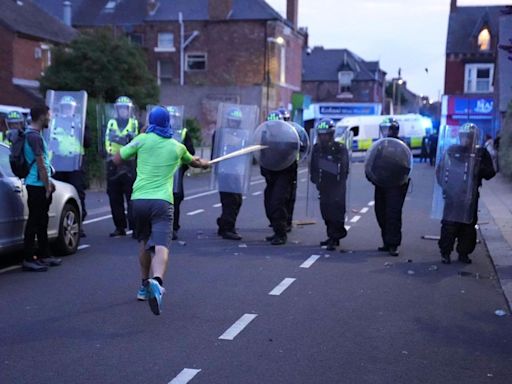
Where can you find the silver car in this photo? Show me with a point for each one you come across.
(65, 212)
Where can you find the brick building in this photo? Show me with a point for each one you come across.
(471, 54)
(27, 34)
(239, 51)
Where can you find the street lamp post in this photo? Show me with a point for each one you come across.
(280, 42)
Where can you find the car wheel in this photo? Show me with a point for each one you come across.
(69, 231)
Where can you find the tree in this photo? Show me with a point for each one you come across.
(104, 66)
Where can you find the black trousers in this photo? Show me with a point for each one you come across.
(77, 180)
(388, 210)
(292, 199)
(465, 234)
(37, 224)
(119, 190)
(231, 203)
(277, 200)
(333, 209)
(178, 198)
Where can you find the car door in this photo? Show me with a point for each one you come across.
(13, 211)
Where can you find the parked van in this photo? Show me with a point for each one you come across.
(365, 129)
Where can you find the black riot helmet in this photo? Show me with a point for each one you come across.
(469, 135)
(284, 112)
(389, 127)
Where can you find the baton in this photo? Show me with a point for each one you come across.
(240, 152)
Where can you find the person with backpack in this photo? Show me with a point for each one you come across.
(39, 189)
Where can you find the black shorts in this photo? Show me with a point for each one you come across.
(153, 222)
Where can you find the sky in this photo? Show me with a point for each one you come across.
(406, 34)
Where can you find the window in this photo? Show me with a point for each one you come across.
(484, 40)
(196, 61)
(345, 81)
(479, 78)
(165, 42)
(164, 72)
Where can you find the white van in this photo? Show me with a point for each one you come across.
(365, 129)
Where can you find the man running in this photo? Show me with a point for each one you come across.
(158, 158)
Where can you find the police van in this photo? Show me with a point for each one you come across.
(365, 129)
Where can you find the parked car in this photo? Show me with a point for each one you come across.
(65, 212)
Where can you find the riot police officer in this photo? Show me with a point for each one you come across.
(14, 122)
(389, 199)
(459, 175)
(293, 193)
(229, 180)
(120, 178)
(180, 134)
(329, 171)
(67, 147)
(278, 193)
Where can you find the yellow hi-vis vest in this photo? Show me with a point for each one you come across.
(131, 128)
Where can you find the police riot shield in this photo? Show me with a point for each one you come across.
(304, 143)
(388, 163)
(176, 113)
(282, 144)
(117, 126)
(456, 176)
(65, 134)
(235, 125)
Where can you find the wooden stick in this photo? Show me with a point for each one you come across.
(240, 152)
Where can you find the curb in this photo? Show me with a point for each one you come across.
(499, 252)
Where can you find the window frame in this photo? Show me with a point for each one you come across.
(159, 72)
(470, 77)
(187, 57)
(162, 48)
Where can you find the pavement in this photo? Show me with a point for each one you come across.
(247, 312)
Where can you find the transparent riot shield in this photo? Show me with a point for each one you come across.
(388, 163)
(65, 134)
(456, 176)
(116, 128)
(176, 113)
(304, 143)
(235, 125)
(282, 144)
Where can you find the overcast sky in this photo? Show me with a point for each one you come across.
(407, 34)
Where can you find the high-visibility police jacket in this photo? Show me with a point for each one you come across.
(3, 138)
(116, 138)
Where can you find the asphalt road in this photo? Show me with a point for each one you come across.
(248, 312)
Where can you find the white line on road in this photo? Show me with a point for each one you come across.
(309, 262)
(217, 205)
(244, 197)
(303, 180)
(355, 219)
(200, 195)
(197, 211)
(302, 171)
(280, 288)
(347, 227)
(10, 268)
(257, 182)
(129, 233)
(364, 210)
(185, 376)
(257, 193)
(238, 327)
(97, 219)
(83, 246)
(371, 203)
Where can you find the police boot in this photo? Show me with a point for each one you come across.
(270, 238)
(278, 240)
(384, 248)
(332, 244)
(393, 251)
(465, 259)
(231, 235)
(445, 258)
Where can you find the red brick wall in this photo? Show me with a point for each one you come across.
(326, 91)
(454, 76)
(26, 65)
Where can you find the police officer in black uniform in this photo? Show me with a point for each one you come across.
(329, 171)
(390, 201)
(278, 193)
(460, 174)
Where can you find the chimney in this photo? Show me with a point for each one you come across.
(66, 15)
(220, 9)
(152, 5)
(453, 6)
(292, 12)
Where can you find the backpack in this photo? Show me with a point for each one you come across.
(19, 164)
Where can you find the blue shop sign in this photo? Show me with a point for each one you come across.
(355, 110)
(483, 106)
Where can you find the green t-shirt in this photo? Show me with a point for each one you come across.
(157, 160)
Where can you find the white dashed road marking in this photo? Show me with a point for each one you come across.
(355, 219)
(257, 193)
(257, 182)
(185, 376)
(347, 227)
(97, 219)
(280, 288)
(364, 210)
(371, 203)
(83, 246)
(217, 205)
(196, 212)
(303, 180)
(200, 195)
(238, 327)
(309, 262)
(10, 268)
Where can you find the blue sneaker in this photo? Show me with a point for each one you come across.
(155, 295)
(143, 293)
